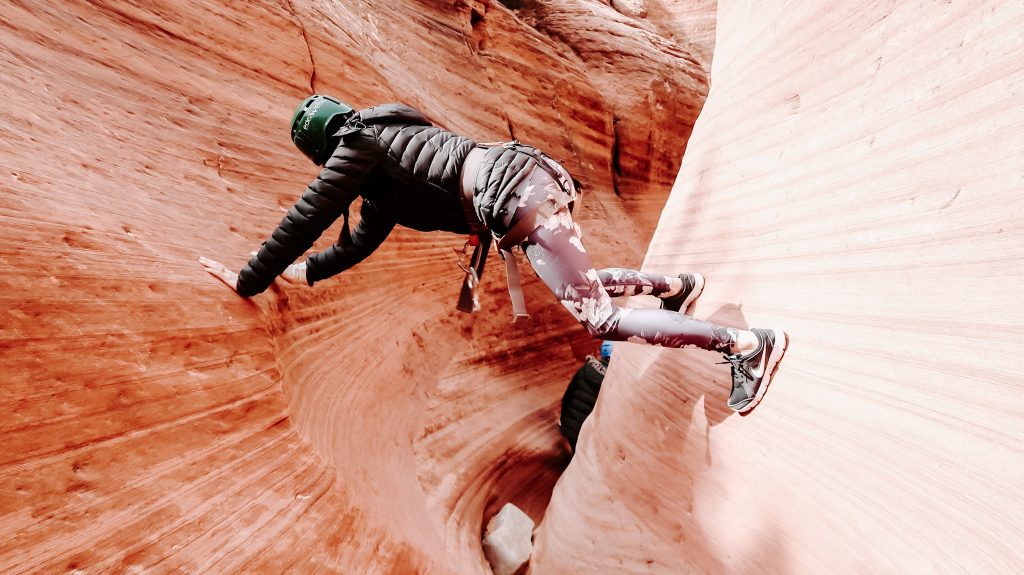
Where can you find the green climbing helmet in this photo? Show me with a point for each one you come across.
(314, 117)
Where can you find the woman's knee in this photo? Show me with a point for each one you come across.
(604, 330)
(600, 317)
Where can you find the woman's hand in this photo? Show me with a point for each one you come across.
(295, 274)
(221, 272)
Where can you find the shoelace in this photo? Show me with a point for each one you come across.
(740, 374)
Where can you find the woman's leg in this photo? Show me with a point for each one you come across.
(675, 293)
(616, 281)
(622, 282)
(556, 253)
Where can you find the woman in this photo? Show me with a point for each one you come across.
(412, 173)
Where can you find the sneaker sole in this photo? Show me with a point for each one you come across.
(773, 365)
(698, 287)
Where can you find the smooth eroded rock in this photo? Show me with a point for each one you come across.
(508, 541)
(155, 422)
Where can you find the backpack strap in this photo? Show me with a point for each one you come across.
(515, 286)
(480, 238)
(382, 115)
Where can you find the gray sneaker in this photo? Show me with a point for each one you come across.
(751, 373)
(693, 284)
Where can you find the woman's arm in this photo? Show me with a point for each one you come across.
(373, 228)
(295, 273)
(324, 200)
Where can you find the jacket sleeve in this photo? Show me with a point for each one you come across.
(373, 227)
(324, 200)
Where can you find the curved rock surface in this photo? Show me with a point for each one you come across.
(155, 422)
(854, 178)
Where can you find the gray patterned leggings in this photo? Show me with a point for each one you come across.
(555, 251)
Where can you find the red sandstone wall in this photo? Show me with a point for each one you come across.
(855, 178)
(157, 423)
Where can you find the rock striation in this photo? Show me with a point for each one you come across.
(854, 177)
(157, 423)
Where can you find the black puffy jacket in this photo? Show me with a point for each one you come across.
(407, 172)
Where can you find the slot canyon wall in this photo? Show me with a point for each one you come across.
(158, 423)
(855, 178)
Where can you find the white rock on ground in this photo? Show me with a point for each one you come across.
(509, 540)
